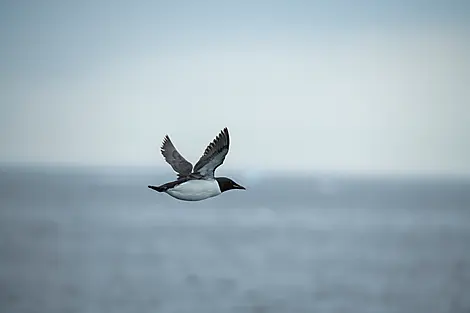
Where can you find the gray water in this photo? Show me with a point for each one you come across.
(94, 240)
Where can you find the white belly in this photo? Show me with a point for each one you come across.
(195, 190)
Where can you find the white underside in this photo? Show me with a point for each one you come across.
(195, 190)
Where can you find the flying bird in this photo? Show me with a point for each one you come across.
(198, 183)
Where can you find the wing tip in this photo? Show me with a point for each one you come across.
(165, 140)
(227, 134)
(224, 134)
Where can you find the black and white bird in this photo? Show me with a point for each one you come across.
(198, 183)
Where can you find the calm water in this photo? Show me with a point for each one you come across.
(99, 241)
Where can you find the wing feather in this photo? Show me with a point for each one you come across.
(214, 155)
(174, 158)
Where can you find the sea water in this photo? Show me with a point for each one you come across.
(98, 240)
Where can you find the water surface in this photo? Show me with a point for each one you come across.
(95, 240)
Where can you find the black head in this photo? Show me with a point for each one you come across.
(227, 184)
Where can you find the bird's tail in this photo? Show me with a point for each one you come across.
(157, 188)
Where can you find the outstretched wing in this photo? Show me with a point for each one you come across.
(175, 159)
(214, 155)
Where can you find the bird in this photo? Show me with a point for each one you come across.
(198, 183)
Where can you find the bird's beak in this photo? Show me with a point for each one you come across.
(239, 187)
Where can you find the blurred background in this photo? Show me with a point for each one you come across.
(349, 126)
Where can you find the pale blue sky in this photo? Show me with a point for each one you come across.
(332, 85)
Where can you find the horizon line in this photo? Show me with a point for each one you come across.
(321, 173)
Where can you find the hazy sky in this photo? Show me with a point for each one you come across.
(333, 85)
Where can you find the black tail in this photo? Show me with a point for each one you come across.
(157, 188)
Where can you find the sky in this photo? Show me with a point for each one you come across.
(358, 86)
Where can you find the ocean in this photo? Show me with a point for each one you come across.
(98, 240)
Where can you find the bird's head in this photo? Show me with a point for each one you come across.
(228, 184)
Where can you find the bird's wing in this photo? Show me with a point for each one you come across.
(214, 155)
(175, 159)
